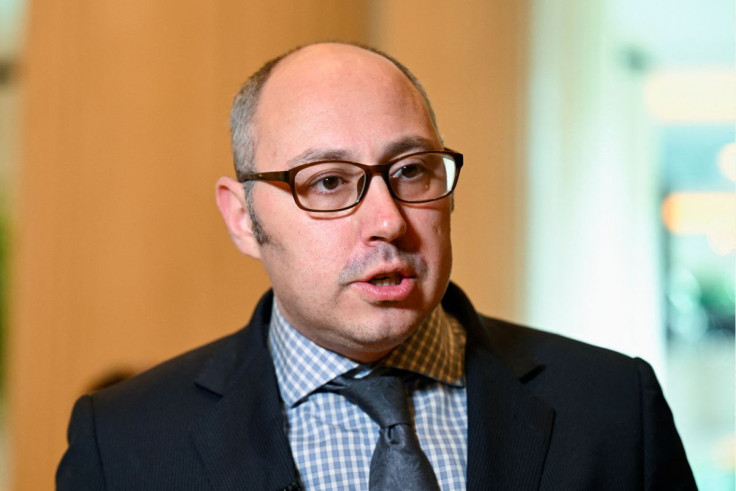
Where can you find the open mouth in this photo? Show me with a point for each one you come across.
(386, 280)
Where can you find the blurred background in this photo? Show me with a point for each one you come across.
(597, 199)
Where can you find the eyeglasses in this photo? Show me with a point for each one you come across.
(338, 185)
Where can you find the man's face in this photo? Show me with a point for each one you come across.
(360, 281)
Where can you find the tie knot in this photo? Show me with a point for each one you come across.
(382, 396)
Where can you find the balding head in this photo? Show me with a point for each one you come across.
(245, 105)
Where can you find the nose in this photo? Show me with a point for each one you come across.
(381, 217)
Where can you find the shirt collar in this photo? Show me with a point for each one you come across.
(435, 350)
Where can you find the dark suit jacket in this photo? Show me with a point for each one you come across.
(544, 412)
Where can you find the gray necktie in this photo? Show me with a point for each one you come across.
(398, 462)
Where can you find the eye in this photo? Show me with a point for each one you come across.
(326, 183)
(409, 171)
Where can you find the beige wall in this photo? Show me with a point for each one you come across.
(119, 257)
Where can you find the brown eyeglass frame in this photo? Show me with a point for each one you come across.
(287, 176)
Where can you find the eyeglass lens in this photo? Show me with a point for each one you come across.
(329, 186)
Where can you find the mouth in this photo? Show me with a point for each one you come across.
(388, 279)
(387, 286)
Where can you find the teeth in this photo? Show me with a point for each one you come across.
(389, 280)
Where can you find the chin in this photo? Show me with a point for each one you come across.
(393, 329)
(371, 350)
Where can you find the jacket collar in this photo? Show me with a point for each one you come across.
(242, 442)
(509, 429)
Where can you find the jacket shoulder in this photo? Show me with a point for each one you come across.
(611, 417)
(510, 339)
(213, 366)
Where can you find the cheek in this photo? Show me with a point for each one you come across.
(434, 229)
(317, 248)
(439, 245)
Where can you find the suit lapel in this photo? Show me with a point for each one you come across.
(509, 429)
(242, 442)
(241, 439)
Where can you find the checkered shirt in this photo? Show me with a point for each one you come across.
(332, 440)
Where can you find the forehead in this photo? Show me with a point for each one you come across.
(334, 96)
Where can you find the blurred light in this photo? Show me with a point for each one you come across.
(709, 214)
(725, 453)
(692, 96)
(11, 26)
(727, 160)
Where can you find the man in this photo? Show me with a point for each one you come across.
(344, 194)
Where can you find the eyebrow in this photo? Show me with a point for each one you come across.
(409, 144)
(394, 149)
(317, 154)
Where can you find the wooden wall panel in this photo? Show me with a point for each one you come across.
(119, 256)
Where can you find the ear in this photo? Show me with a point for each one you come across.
(230, 197)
